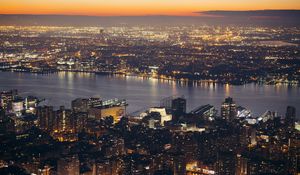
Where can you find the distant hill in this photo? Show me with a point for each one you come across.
(258, 17)
(265, 13)
(261, 17)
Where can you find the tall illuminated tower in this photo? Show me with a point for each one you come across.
(228, 109)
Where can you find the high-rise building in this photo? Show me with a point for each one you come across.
(290, 116)
(244, 136)
(253, 140)
(6, 123)
(68, 165)
(80, 121)
(248, 136)
(46, 117)
(241, 165)
(6, 98)
(2, 114)
(65, 120)
(3, 121)
(178, 107)
(228, 109)
(175, 105)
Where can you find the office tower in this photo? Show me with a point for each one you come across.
(244, 136)
(6, 98)
(178, 107)
(65, 120)
(174, 105)
(290, 116)
(68, 165)
(241, 165)
(80, 121)
(253, 140)
(248, 136)
(6, 123)
(46, 118)
(2, 114)
(228, 109)
(3, 121)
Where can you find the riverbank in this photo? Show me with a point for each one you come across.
(163, 77)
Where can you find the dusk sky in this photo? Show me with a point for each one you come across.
(137, 7)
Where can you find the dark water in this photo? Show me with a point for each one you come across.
(61, 88)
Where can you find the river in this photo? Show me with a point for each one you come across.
(61, 88)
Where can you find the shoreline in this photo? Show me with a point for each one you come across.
(160, 77)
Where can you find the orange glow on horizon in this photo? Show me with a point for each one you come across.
(138, 7)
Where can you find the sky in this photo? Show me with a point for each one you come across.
(137, 7)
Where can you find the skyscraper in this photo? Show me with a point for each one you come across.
(241, 165)
(178, 107)
(45, 116)
(65, 120)
(248, 136)
(80, 121)
(290, 116)
(2, 114)
(228, 109)
(6, 98)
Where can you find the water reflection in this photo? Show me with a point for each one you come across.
(227, 90)
(62, 87)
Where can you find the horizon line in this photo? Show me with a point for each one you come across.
(150, 15)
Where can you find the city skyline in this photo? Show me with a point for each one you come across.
(194, 87)
(139, 8)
